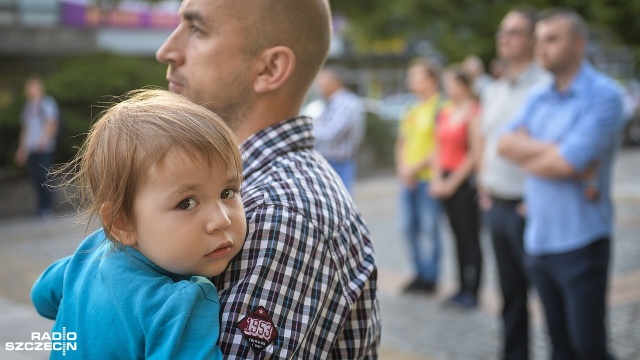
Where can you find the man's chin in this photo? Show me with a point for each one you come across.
(176, 88)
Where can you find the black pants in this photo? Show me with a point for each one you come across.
(38, 165)
(573, 287)
(464, 217)
(507, 232)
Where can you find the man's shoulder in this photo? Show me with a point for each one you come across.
(299, 181)
(304, 173)
(495, 90)
(49, 101)
(346, 93)
(347, 96)
(605, 85)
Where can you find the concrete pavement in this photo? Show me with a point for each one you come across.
(414, 327)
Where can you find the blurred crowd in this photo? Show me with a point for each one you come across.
(524, 150)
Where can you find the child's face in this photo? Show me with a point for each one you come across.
(189, 216)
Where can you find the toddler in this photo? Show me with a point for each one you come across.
(163, 176)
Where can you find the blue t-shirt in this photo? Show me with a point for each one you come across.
(117, 304)
(585, 123)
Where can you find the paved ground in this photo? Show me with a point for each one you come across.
(414, 327)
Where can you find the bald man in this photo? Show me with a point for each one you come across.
(304, 285)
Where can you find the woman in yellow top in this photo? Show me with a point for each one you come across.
(415, 145)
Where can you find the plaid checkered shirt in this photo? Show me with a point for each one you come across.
(308, 257)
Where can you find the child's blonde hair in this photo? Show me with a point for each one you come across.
(136, 134)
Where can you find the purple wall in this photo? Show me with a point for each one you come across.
(78, 15)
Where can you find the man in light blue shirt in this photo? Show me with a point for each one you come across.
(565, 139)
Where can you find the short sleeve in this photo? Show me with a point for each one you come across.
(404, 127)
(50, 108)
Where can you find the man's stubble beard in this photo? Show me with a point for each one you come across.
(234, 108)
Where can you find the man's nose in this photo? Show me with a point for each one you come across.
(169, 52)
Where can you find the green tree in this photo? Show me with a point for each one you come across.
(82, 86)
(460, 27)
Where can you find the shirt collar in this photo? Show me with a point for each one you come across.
(286, 136)
(521, 76)
(579, 83)
(524, 77)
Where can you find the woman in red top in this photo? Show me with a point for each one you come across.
(452, 183)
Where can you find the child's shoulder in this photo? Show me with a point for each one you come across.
(94, 242)
(128, 274)
(194, 301)
(197, 287)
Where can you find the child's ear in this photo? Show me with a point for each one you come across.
(117, 225)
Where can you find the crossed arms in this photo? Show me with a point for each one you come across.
(536, 157)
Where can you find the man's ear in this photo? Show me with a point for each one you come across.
(117, 226)
(581, 43)
(276, 66)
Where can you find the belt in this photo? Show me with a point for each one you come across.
(503, 201)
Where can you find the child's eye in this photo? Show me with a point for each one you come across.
(187, 204)
(229, 193)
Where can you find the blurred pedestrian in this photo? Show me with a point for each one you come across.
(453, 181)
(340, 128)
(565, 139)
(38, 135)
(305, 283)
(414, 154)
(501, 183)
(496, 68)
(474, 67)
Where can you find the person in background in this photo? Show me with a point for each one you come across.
(473, 66)
(501, 183)
(496, 68)
(453, 183)
(163, 176)
(305, 283)
(37, 142)
(414, 154)
(565, 138)
(339, 129)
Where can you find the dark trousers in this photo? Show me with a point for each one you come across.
(507, 232)
(38, 165)
(464, 218)
(572, 287)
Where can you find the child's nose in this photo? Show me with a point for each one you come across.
(218, 219)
